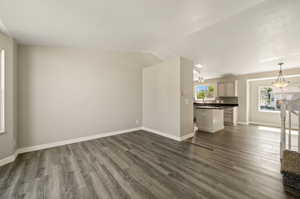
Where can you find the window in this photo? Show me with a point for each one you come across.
(2, 91)
(267, 101)
(204, 92)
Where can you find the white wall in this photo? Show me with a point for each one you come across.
(165, 88)
(186, 96)
(67, 93)
(161, 97)
(9, 138)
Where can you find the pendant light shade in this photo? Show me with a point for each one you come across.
(197, 73)
(201, 79)
(280, 82)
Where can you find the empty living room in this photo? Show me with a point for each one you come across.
(160, 99)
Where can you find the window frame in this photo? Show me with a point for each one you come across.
(258, 102)
(205, 84)
(2, 90)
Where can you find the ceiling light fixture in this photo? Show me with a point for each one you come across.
(198, 66)
(201, 79)
(197, 71)
(280, 82)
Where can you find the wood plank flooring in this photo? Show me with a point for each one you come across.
(240, 162)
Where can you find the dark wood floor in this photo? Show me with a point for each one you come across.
(240, 162)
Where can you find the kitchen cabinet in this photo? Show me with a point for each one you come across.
(209, 119)
(230, 116)
(221, 89)
(227, 88)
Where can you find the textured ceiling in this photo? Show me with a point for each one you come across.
(252, 41)
(225, 36)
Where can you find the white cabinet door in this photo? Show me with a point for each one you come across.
(227, 89)
(230, 89)
(221, 89)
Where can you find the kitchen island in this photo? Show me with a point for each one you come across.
(230, 110)
(209, 118)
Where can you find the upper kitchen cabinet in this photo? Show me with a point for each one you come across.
(221, 89)
(227, 88)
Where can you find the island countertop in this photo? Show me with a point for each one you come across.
(215, 104)
(209, 107)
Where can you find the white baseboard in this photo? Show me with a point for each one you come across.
(243, 123)
(265, 124)
(12, 158)
(8, 159)
(75, 140)
(173, 137)
(187, 136)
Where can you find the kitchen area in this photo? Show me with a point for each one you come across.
(216, 105)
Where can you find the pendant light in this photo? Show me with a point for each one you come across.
(280, 82)
(201, 79)
(198, 68)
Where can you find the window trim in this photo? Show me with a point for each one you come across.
(258, 103)
(2, 90)
(204, 84)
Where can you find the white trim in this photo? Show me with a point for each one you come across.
(187, 136)
(12, 158)
(265, 124)
(2, 90)
(268, 111)
(205, 84)
(243, 123)
(8, 159)
(173, 137)
(247, 101)
(259, 97)
(75, 140)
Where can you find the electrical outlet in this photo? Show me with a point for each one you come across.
(137, 122)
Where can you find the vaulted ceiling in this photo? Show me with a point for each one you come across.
(225, 36)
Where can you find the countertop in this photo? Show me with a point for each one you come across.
(210, 107)
(215, 104)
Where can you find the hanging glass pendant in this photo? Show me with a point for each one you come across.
(280, 82)
(201, 79)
